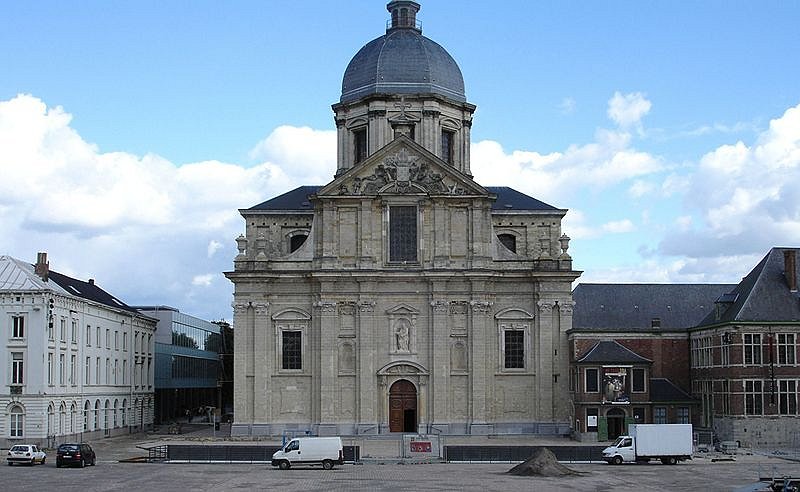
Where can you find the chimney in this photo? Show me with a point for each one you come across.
(42, 267)
(91, 281)
(790, 268)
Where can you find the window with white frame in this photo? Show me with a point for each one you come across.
(726, 397)
(124, 342)
(124, 372)
(97, 379)
(752, 349)
(116, 340)
(108, 370)
(87, 371)
(73, 332)
(16, 421)
(660, 415)
(682, 415)
(108, 338)
(98, 338)
(17, 368)
(61, 369)
(50, 360)
(116, 364)
(787, 396)
(62, 332)
(18, 326)
(753, 397)
(787, 350)
(724, 349)
(72, 359)
(88, 335)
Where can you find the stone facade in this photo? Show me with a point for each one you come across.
(402, 296)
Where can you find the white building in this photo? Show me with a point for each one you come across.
(77, 362)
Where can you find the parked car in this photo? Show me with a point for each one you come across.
(29, 454)
(80, 454)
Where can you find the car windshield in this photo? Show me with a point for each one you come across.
(68, 447)
(20, 448)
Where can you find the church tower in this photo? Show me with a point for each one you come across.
(402, 296)
(402, 83)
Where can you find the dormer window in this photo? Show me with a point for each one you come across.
(359, 145)
(509, 241)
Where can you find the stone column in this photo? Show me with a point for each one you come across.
(482, 369)
(263, 366)
(440, 363)
(367, 417)
(243, 366)
(562, 407)
(324, 371)
(467, 143)
(543, 354)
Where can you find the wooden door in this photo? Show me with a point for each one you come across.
(403, 407)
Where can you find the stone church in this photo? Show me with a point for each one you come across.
(402, 296)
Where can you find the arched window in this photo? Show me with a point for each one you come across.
(124, 412)
(51, 420)
(105, 414)
(62, 419)
(72, 413)
(296, 241)
(509, 241)
(116, 406)
(97, 414)
(86, 410)
(16, 421)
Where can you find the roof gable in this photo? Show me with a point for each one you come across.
(762, 296)
(17, 275)
(610, 351)
(403, 167)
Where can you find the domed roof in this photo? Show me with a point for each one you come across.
(402, 61)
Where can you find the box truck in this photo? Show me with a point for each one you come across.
(325, 451)
(669, 443)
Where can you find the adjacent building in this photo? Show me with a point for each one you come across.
(187, 363)
(402, 296)
(744, 356)
(77, 362)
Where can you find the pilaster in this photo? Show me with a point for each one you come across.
(543, 354)
(260, 349)
(481, 330)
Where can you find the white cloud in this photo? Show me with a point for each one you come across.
(135, 222)
(747, 195)
(213, 247)
(567, 105)
(618, 226)
(640, 188)
(627, 110)
(203, 280)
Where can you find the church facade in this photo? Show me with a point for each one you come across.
(402, 296)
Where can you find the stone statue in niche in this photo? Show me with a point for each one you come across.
(402, 337)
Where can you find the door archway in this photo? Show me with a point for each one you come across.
(616, 423)
(403, 407)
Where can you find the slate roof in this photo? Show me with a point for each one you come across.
(297, 199)
(17, 275)
(402, 61)
(632, 307)
(611, 352)
(663, 391)
(762, 296)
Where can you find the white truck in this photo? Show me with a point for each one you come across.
(325, 451)
(669, 443)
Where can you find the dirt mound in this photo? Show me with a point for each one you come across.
(542, 463)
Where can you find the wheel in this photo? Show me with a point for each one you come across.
(94, 460)
(10, 463)
(82, 463)
(616, 460)
(672, 460)
(284, 465)
(58, 464)
(44, 459)
(327, 464)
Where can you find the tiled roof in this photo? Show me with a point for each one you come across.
(88, 290)
(762, 296)
(297, 199)
(663, 390)
(609, 351)
(633, 307)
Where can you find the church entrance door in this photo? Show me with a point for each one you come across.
(403, 407)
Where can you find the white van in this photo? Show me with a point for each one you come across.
(325, 451)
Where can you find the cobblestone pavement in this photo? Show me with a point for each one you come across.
(109, 474)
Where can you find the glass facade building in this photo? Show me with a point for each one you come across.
(187, 364)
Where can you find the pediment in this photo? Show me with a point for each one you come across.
(402, 309)
(403, 167)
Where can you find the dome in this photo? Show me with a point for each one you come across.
(402, 61)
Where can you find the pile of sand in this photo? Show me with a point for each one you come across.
(542, 463)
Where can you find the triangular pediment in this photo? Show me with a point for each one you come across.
(403, 167)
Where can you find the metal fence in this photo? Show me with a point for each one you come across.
(218, 453)
(520, 453)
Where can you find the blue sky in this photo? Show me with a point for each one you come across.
(130, 133)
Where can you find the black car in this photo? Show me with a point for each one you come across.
(80, 454)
